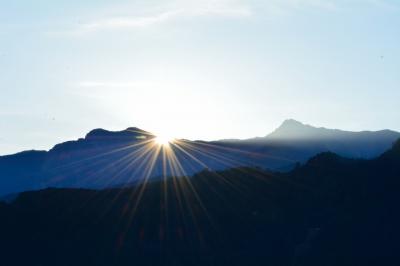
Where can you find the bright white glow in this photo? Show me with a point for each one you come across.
(163, 140)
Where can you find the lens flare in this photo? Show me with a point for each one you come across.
(164, 140)
(160, 155)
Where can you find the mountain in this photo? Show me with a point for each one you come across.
(364, 144)
(330, 211)
(107, 159)
(294, 142)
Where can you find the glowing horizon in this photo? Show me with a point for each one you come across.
(207, 70)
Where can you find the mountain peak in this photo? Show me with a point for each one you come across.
(292, 124)
(291, 128)
(130, 132)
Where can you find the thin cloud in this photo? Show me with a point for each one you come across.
(101, 84)
(12, 113)
(215, 9)
(128, 22)
(176, 10)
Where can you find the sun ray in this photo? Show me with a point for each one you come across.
(175, 160)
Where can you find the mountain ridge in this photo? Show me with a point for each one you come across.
(290, 127)
(292, 124)
(105, 158)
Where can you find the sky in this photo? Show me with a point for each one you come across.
(195, 69)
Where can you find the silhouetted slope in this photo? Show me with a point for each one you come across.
(356, 211)
(392, 154)
(21, 171)
(330, 211)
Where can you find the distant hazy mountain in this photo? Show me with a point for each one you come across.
(104, 158)
(364, 144)
(311, 140)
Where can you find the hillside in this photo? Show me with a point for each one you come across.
(331, 211)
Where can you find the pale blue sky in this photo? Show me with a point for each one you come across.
(195, 69)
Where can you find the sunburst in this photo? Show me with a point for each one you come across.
(164, 140)
(170, 158)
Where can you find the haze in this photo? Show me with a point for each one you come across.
(195, 69)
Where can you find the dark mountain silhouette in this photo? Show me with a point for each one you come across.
(104, 158)
(330, 211)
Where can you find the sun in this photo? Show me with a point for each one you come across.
(164, 140)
